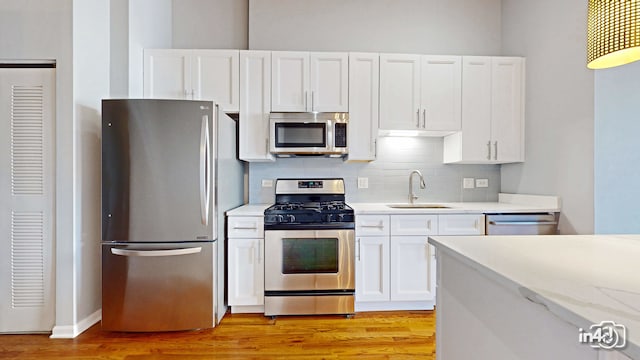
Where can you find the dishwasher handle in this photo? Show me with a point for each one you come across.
(493, 222)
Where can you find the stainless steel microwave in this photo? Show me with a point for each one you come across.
(293, 134)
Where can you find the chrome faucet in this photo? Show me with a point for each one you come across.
(413, 196)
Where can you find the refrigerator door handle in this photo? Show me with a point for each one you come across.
(141, 253)
(205, 179)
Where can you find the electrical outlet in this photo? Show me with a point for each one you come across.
(267, 183)
(363, 183)
(468, 183)
(482, 183)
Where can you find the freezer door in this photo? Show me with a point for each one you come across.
(157, 170)
(157, 287)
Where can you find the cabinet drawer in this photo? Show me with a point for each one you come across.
(372, 225)
(461, 224)
(414, 224)
(245, 227)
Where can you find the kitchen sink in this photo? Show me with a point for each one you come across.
(417, 206)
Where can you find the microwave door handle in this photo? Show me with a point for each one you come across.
(331, 133)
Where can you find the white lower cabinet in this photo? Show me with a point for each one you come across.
(246, 272)
(395, 265)
(246, 264)
(411, 269)
(372, 268)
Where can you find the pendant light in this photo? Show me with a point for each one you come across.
(613, 35)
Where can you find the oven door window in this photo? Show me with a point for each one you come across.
(301, 135)
(309, 256)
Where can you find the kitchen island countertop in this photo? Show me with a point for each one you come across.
(581, 279)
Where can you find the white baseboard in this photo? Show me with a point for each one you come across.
(247, 309)
(394, 305)
(71, 331)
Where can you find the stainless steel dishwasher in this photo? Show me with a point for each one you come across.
(522, 224)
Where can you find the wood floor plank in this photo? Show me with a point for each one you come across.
(376, 335)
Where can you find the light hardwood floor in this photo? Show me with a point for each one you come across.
(376, 335)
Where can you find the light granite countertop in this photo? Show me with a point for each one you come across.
(582, 279)
(507, 203)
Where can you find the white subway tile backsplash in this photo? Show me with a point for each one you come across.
(388, 174)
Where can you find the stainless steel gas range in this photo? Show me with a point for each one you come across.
(309, 249)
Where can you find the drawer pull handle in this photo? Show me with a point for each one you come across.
(245, 227)
(372, 226)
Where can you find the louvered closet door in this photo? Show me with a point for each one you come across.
(26, 199)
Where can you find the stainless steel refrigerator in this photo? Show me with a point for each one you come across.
(169, 172)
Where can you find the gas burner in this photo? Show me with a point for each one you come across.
(298, 205)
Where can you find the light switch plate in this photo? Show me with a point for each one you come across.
(482, 183)
(468, 183)
(267, 183)
(363, 183)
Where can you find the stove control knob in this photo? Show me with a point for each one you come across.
(328, 218)
(279, 218)
(291, 218)
(340, 217)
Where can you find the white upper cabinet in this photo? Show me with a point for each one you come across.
(441, 92)
(492, 112)
(364, 75)
(329, 82)
(215, 76)
(193, 74)
(420, 93)
(507, 109)
(255, 104)
(303, 81)
(400, 92)
(167, 74)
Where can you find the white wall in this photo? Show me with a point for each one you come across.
(42, 29)
(149, 27)
(617, 150)
(90, 85)
(559, 106)
(119, 48)
(411, 26)
(210, 24)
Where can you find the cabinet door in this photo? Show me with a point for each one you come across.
(290, 81)
(400, 92)
(461, 224)
(167, 74)
(255, 105)
(414, 224)
(410, 269)
(362, 132)
(441, 93)
(372, 268)
(507, 89)
(215, 76)
(476, 108)
(246, 271)
(329, 80)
